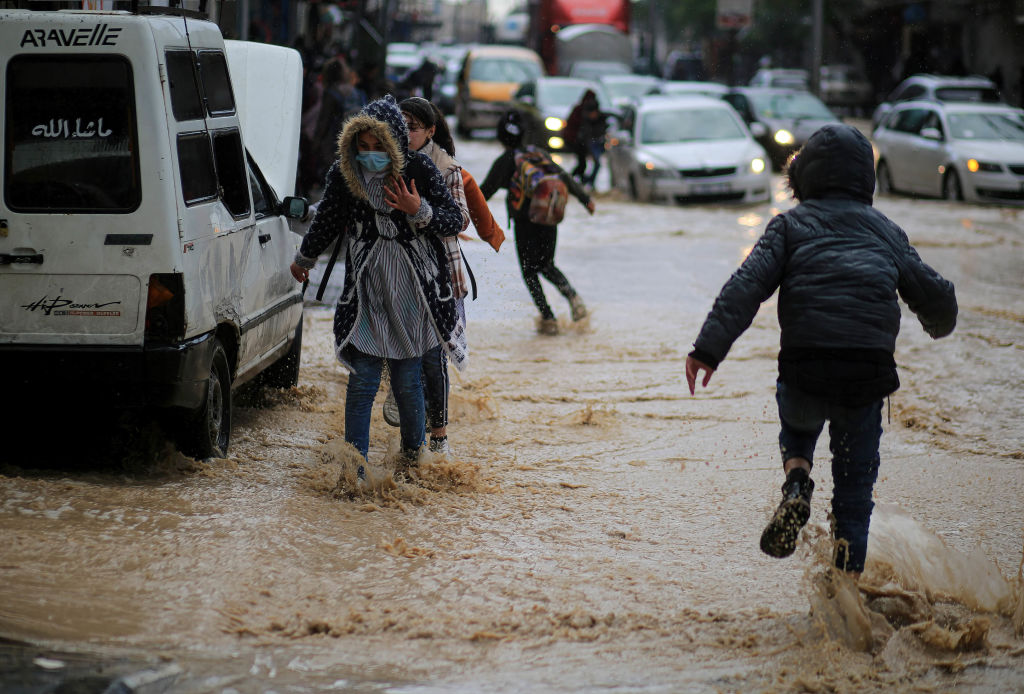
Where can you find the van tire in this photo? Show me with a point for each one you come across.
(284, 373)
(206, 431)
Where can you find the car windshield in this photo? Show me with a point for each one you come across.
(566, 95)
(629, 89)
(504, 70)
(688, 125)
(987, 126)
(795, 105)
(72, 142)
(985, 95)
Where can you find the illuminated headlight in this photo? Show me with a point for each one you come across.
(552, 123)
(555, 143)
(757, 165)
(784, 137)
(974, 166)
(652, 170)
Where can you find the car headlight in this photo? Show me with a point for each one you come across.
(552, 123)
(757, 165)
(784, 137)
(974, 166)
(651, 169)
(555, 143)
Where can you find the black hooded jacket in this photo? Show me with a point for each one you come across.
(839, 266)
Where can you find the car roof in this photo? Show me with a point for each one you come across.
(630, 77)
(957, 106)
(666, 102)
(955, 80)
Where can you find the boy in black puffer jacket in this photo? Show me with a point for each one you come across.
(838, 264)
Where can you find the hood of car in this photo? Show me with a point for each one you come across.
(702, 154)
(990, 150)
(267, 83)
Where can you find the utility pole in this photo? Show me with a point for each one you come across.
(652, 56)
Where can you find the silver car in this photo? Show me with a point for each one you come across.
(961, 151)
(688, 149)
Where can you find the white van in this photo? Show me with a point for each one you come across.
(144, 236)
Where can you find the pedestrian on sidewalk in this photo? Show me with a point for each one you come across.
(839, 265)
(389, 208)
(535, 243)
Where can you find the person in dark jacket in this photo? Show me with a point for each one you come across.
(535, 243)
(839, 265)
(389, 208)
(585, 131)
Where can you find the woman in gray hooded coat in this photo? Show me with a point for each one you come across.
(389, 208)
(839, 265)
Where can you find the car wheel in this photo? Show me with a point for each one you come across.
(951, 188)
(884, 179)
(206, 431)
(284, 373)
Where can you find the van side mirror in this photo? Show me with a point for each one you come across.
(758, 129)
(294, 207)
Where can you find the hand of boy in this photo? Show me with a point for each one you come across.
(693, 369)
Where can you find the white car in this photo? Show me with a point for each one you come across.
(688, 149)
(958, 151)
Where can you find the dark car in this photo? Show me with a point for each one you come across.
(546, 103)
(780, 119)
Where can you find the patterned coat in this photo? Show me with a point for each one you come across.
(345, 213)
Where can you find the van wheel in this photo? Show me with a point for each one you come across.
(206, 431)
(284, 373)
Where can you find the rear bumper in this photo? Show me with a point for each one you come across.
(151, 376)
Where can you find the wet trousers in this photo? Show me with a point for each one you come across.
(363, 384)
(535, 246)
(854, 435)
(586, 152)
(435, 387)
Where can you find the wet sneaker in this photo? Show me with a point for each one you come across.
(440, 445)
(579, 310)
(361, 475)
(548, 326)
(390, 408)
(779, 537)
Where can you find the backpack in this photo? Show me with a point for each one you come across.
(538, 181)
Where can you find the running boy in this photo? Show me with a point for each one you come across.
(535, 243)
(838, 264)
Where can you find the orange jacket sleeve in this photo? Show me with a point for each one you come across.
(480, 213)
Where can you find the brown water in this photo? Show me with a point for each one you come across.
(596, 528)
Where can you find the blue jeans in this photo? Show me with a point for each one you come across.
(363, 383)
(854, 435)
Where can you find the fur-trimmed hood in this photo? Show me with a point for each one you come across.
(384, 119)
(836, 161)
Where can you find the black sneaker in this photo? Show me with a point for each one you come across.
(779, 537)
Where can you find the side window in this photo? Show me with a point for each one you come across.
(740, 104)
(195, 158)
(181, 76)
(914, 91)
(213, 71)
(234, 183)
(933, 121)
(910, 120)
(263, 199)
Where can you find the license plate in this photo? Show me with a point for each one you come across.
(711, 188)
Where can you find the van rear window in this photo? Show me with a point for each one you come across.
(72, 140)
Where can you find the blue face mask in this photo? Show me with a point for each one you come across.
(373, 161)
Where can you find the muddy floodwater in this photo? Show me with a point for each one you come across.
(596, 528)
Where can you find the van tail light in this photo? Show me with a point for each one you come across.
(165, 307)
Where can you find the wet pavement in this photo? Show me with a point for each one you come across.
(596, 527)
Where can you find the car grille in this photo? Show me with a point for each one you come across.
(1017, 169)
(711, 197)
(707, 173)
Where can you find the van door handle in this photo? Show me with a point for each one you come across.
(264, 238)
(11, 259)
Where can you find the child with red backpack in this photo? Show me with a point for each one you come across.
(538, 190)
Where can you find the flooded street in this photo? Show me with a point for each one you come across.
(597, 527)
